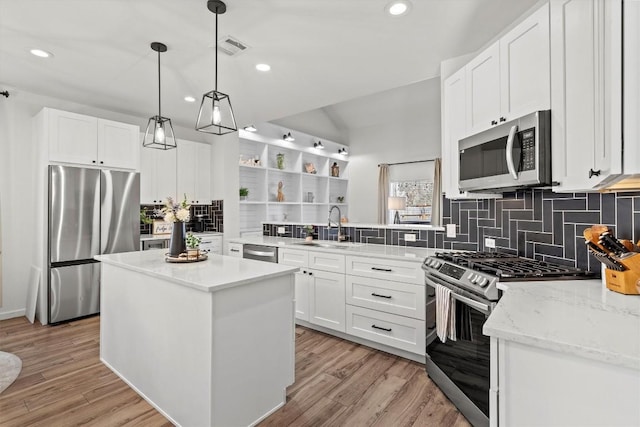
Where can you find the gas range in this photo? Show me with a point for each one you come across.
(479, 272)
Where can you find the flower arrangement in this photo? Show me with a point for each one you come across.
(192, 241)
(176, 212)
(309, 229)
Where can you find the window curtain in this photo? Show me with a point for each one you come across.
(436, 202)
(383, 193)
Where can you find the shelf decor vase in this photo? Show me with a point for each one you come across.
(177, 244)
(280, 161)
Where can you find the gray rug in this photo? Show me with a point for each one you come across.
(10, 367)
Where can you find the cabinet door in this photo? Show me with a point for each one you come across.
(202, 184)
(186, 170)
(302, 283)
(148, 194)
(165, 175)
(118, 145)
(327, 299)
(483, 89)
(453, 129)
(583, 133)
(72, 138)
(524, 66)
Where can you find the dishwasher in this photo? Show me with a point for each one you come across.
(260, 252)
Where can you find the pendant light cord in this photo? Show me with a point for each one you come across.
(216, 82)
(159, 91)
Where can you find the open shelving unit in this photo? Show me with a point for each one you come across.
(307, 196)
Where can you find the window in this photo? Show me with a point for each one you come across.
(419, 194)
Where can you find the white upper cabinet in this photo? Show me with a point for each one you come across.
(157, 176)
(118, 145)
(511, 77)
(586, 92)
(483, 90)
(85, 140)
(524, 67)
(453, 128)
(194, 172)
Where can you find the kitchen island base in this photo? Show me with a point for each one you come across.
(220, 358)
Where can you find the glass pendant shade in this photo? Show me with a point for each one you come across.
(159, 134)
(216, 115)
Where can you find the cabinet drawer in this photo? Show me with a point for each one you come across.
(235, 250)
(401, 271)
(395, 331)
(391, 297)
(293, 257)
(326, 261)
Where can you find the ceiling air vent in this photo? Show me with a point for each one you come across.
(231, 46)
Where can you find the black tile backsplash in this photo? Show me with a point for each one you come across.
(534, 223)
(212, 216)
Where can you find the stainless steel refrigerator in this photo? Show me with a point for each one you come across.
(91, 212)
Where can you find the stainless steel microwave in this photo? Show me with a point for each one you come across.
(512, 155)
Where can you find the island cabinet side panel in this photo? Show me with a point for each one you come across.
(253, 350)
(156, 335)
(544, 387)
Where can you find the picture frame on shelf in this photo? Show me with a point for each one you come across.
(310, 168)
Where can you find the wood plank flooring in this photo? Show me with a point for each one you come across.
(338, 383)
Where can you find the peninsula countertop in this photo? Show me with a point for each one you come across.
(578, 317)
(404, 253)
(213, 274)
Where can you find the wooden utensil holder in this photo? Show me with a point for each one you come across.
(628, 281)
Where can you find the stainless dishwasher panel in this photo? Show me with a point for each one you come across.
(260, 253)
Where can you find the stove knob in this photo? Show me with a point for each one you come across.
(436, 263)
(473, 277)
(483, 282)
(477, 279)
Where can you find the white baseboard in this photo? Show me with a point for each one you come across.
(11, 314)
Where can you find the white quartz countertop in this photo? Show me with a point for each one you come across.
(145, 237)
(213, 274)
(366, 225)
(405, 253)
(578, 317)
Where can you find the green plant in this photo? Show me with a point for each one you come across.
(144, 218)
(308, 229)
(340, 199)
(244, 192)
(280, 160)
(192, 241)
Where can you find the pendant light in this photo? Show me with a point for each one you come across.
(216, 115)
(159, 132)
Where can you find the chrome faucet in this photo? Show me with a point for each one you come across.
(341, 236)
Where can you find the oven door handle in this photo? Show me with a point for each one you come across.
(509, 152)
(483, 308)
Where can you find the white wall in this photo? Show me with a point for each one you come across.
(402, 134)
(20, 165)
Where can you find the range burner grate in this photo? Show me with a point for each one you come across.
(508, 266)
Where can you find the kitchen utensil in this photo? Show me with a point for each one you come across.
(604, 257)
(614, 245)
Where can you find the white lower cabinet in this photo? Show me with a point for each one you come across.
(400, 332)
(327, 299)
(385, 302)
(377, 299)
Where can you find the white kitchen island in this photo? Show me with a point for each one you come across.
(209, 343)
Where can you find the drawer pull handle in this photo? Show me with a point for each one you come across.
(388, 270)
(381, 328)
(431, 328)
(380, 296)
(234, 250)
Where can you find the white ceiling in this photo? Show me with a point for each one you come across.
(322, 52)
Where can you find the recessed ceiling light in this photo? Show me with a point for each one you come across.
(189, 99)
(41, 53)
(398, 7)
(263, 67)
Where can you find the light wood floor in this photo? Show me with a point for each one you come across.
(63, 383)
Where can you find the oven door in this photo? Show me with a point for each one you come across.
(461, 367)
